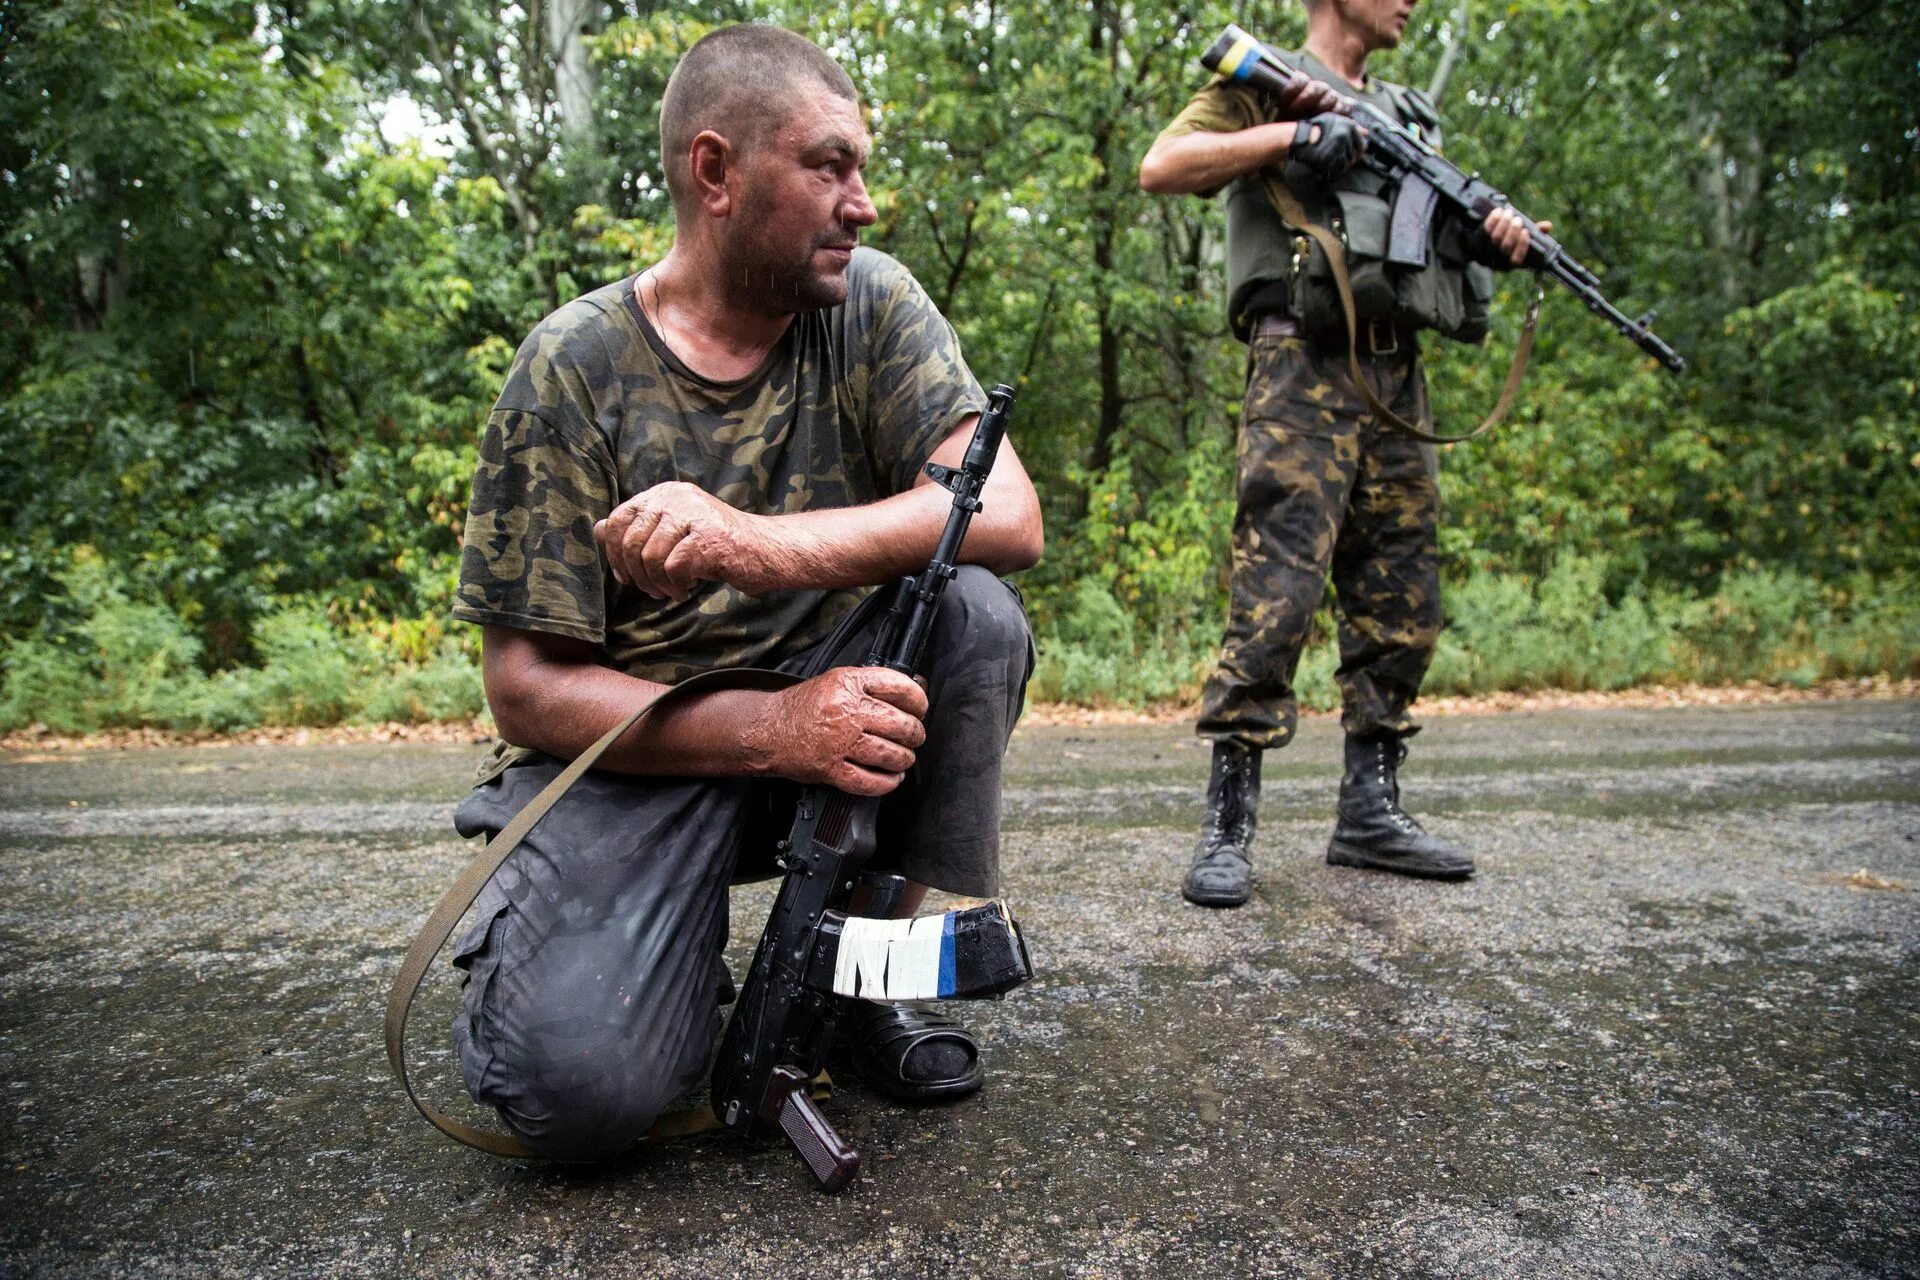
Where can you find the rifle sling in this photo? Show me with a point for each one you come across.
(1296, 216)
(467, 886)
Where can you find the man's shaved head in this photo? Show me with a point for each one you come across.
(739, 82)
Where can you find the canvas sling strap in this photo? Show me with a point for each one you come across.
(466, 888)
(1296, 217)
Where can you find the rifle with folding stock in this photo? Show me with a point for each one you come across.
(1425, 180)
(813, 953)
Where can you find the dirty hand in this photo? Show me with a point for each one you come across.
(671, 538)
(1304, 96)
(854, 728)
(1509, 233)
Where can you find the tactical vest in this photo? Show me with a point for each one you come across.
(1452, 294)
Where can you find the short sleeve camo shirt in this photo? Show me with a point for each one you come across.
(596, 409)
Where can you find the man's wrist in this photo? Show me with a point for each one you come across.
(760, 743)
(1279, 143)
(787, 554)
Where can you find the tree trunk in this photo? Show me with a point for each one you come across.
(1103, 38)
(575, 78)
(99, 277)
(1456, 41)
(1108, 427)
(1716, 201)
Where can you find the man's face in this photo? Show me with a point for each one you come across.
(803, 201)
(1378, 23)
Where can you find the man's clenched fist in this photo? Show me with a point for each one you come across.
(1329, 144)
(673, 537)
(854, 728)
(1509, 237)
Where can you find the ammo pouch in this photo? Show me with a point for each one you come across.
(1451, 295)
(1348, 276)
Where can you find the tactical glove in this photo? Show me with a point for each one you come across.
(1328, 144)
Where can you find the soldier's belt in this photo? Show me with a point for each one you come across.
(1376, 337)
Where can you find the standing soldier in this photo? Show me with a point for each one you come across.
(1324, 484)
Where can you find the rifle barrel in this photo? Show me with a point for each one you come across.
(1395, 151)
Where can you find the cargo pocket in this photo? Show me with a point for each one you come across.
(1463, 304)
(1362, 226)
(477, 956)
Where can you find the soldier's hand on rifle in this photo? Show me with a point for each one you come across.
(1304, 97)
(674, 536)
(1509, 234)
(854, 728)
(1329, 144)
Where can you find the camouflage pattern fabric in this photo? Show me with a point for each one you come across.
(1323, 487)
(590, 1003)
(597, 408)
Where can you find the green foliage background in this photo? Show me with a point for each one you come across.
(248, 336)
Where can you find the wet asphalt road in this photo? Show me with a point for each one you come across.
(1672, 1029)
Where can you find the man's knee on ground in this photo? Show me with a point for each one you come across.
(981, 616)
(595, 1120)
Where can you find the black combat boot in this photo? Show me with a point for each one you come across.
(1224, 856)
(1374, 831)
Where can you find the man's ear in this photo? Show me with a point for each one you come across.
(711, 160)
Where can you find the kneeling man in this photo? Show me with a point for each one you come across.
(703, 466)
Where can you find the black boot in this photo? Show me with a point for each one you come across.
(1223, 858)
(1374, 831)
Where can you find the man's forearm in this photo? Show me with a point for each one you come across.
(562, 706)
(854, 728)
(884, 540)
(1206, 161)
(674, 536)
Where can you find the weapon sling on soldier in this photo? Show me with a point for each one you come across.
(812, 951)
(1423, 180)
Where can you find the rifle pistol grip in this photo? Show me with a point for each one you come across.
(828, 1158)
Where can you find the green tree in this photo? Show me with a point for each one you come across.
(248, 336)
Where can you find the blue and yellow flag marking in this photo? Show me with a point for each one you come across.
(1239, 61)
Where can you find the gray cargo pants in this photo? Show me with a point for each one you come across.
(592, 964)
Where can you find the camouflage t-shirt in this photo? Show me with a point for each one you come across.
(843, 412)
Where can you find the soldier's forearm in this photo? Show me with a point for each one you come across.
(551, 694)
(884, 540)
(1203, 161)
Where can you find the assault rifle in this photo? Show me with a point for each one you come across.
(813, 953)
(1425, 179)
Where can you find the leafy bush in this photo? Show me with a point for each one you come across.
(447, 687)
(308, 674)
(107, 661)
(1568, 633)
(1093, 655)
(124, 664)
(1565, 630)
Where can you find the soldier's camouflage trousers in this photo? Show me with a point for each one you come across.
(1323, 487)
